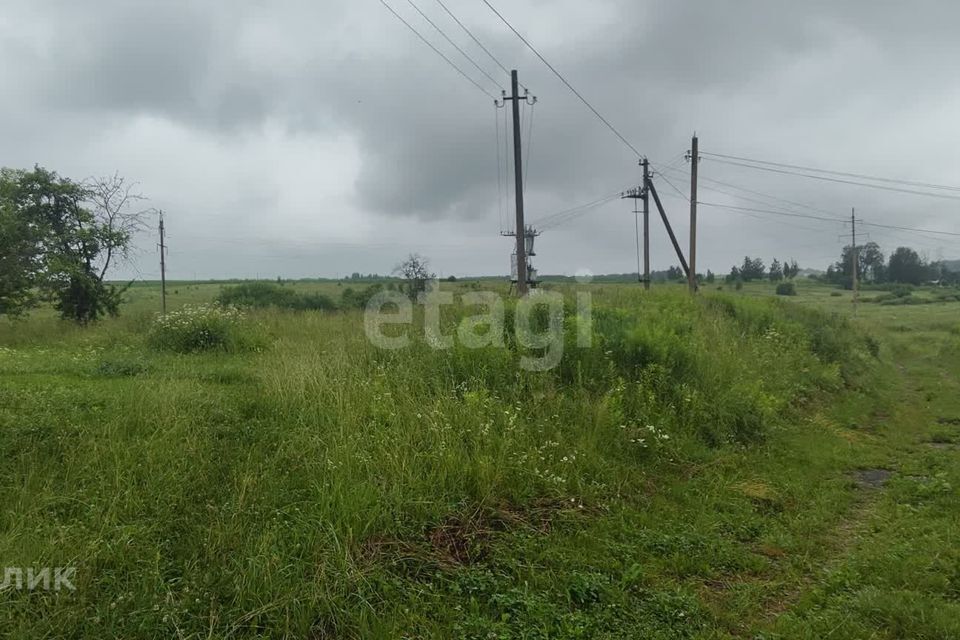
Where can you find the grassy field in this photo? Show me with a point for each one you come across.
(731, 466)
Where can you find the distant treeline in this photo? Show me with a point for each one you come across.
(904, 266)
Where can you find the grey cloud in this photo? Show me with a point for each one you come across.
(814, 81)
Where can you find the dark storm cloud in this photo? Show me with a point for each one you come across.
(842, 84)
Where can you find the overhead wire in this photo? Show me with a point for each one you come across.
(791, 203)
(838, 180)
(455, 46)
(496, 124)
(437, 51)
(830, 171)
(835, 220)
(674, 187)
(526, 166)
(508, 165)
(565, 215)
(474, 38)
(563, 80)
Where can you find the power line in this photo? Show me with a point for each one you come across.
(682, 195)
(755, 200)
(774, 212)
(838, 173)
(835, 220)
(791, 213)
(560, 217)
(829, 179)
(791, 203)
(526, 167)
(913, 229)
(563, 80)
(475, 39)
(496, 122)
(437, 51)
(455, 46)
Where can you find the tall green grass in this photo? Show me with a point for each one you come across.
(294, 491)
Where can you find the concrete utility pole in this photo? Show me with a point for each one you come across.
(646, 225)
(163, 268)
(518, 179)
(694, 162)
(642, 193)
(666, 223)
(854, 258)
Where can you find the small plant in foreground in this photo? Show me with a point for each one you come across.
(202, 328)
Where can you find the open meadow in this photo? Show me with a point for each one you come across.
(731, 465)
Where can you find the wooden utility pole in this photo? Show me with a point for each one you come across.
(518, 179)
(694, 161)
(163, 268)
(854, 258)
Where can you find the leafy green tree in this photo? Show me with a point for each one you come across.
(20, 260)
(907, 267)
(872, 263)
(59, 239)
(751, 269)
(776, 271)
(790, 269)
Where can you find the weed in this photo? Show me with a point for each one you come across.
(203, 328)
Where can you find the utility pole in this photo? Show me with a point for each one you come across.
(521, 229)
(694, 162)
(642, 193)
(666, 223)
(163, 268)
(854, 258)
(646, 225)
(518, 188)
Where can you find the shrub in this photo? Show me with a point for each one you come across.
(786, 289)
(256, 294)
(835, 294)
(202, 328)
(119, 368)
(358, 299)
(312, 302)
(268, 294)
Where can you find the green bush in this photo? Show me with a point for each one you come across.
(786, 289)
(352, 298)
(267, 294)
(202, 328)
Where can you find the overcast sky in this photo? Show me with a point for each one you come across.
(316, 138)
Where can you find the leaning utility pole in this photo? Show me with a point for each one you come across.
(163, 268)
(854, 258)
(666, 223)
(694, 161)
(518, 188)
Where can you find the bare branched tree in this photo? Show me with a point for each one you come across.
(119, 207)
(416, 271)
